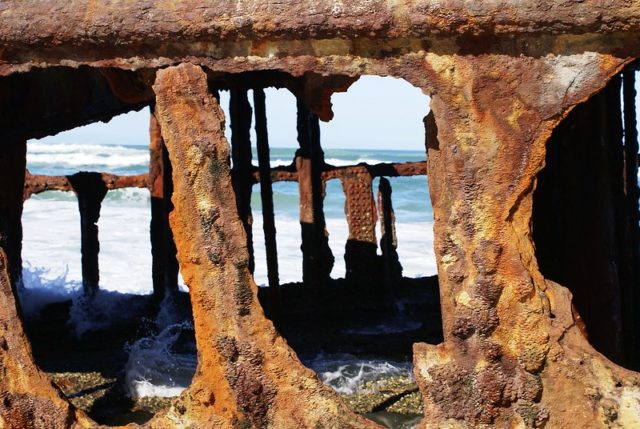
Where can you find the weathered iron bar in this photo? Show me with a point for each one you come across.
(36, 184)
(12, 176)
(622, 229)
(90, 190)
(165, 267)
(240, 112)
(288, 173)
(360, 210)
(317, 258)
(632, 195)
(388, 241)
(266, 194)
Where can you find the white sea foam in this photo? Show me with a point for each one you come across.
(81, 156)
(347, 373)
(40, 288)
(344, 162)
(156, 368)
(105, 309)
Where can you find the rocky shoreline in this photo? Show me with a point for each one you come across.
(390, 399)
(90, 369)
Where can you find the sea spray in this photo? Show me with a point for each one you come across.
(162, 363)
(104, 310)
(346, 373)
(41, 288)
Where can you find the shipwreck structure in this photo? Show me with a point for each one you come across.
(532, 167)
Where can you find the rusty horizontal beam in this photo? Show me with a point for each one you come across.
(36, 183)
(215, 29)
(288, 173)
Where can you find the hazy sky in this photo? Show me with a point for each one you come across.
(380, 113)
(376, 113)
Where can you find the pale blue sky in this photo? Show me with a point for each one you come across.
(376, 113)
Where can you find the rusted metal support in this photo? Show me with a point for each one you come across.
(632, 194)
(580, 219)
(288, 173)
(12, 174)
(165, 267)
(388, 241)
(266, 194)
(240, 112)
(90, 190)
(317, 259)
(360, 209)
(35, 184)
(247, 375)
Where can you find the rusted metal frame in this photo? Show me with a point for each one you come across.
(12, 178)
(317, 258)
(288, 173)
(266, 194)
(624, 241)
(36, 184)
(90, 190)
(361, 248)
(240, 112)
(388, 240)
(165, 267)
(632, 197)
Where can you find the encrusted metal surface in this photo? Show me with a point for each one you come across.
(501, 76)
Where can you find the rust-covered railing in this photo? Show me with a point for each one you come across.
(308, 169)
(90, 188)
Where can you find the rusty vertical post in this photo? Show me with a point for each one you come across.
(317, 259)
(163, 249)
(13, 155)
(240, 112)
(623, 255)
(580, 219)
(388, 241)
(90, 190)
(632, 194)
(266, 194)
(360, 209)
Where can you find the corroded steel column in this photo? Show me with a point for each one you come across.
(163, 249)
(12, 175)
(90, 190)
(247, 375)
(240, 111)
(27, 397)
(582, 219)
(266, 194)
(360, 209)
(317, 259)
(632, 194)
(389, 240)
(512, 350)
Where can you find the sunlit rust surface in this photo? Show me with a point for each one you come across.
(36, 183)
(501, 76)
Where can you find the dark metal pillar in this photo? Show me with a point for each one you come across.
(240, 112)
(632, 194)
(388, 241)
(317, 259)
(12, 170)
(90, 190)
(361, 248)
(165, 267)
(266, 193)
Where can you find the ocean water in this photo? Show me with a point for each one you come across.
(125, 256)
(52, 270)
